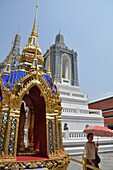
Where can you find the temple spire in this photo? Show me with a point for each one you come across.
(48, 69)
(33, 39)
(30, 52)
(34, 30)
(7, 68)
(10, 53)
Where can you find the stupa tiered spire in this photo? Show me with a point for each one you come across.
(48, 69)
(30, 49)
(7, 68)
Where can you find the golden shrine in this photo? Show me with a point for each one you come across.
(30, 113)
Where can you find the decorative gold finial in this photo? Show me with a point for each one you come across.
(32, 51)
(48, 69)
(30, 47)
(34, 30)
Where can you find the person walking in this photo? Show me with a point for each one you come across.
(91, 150)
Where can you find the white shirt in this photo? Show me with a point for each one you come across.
(90, 150)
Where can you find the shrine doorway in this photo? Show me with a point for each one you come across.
(35, 107)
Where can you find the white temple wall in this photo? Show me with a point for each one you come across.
(79, 122)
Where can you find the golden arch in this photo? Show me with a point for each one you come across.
(52, 108)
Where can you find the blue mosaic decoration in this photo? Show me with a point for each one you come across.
(35, 63)
(50, 136)
(48, 79)
(0, 97)
(12, 78)
(12, 136)
(8, 68)
(5, 79)
(3, 130)
(0, 94)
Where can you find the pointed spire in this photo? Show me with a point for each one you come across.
(34, 30)
(30, 50)
(7, 68)
(48, 69)
(30, 46)
(10, 53)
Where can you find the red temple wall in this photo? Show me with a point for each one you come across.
(106, 105)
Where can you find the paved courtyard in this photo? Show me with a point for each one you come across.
(106, 162)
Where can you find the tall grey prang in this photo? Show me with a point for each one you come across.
(14, 54)
(61, 62)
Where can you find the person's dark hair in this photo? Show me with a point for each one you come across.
(89, 135)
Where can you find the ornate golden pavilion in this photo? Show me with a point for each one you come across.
(30, 113)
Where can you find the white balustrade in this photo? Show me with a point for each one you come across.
(82, 111)
(70, 134)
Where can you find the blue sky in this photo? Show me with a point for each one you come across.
(87, 26)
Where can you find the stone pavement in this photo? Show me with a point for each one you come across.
(106, 162)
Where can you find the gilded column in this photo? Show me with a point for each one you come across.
(4, 115)
(16, 135)
(51, 142)
(56, 132)
(47, 135)
(53, 133)
(60, 131)
(7, 138)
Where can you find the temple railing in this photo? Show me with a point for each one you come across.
(78, 135)
(81, 111)
(72, 134)
(83, 163)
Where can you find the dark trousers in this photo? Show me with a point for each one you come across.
(88, 162)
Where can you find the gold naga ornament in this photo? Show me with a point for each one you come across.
(30, 113)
